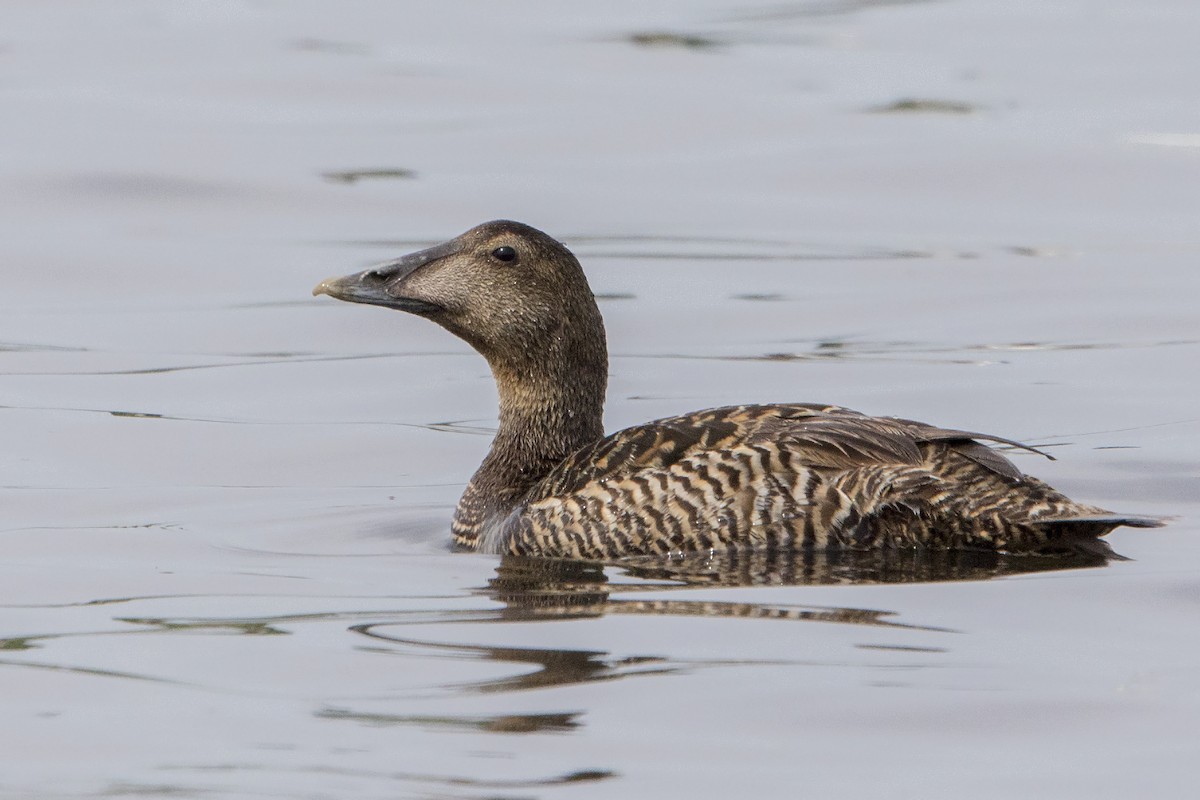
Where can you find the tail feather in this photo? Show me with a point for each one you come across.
(1081, 534)
(1074, 531)
(1109, 520)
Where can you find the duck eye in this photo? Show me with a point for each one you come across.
(504, 253)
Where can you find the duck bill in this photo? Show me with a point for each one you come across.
(358, 288)
(383, 284)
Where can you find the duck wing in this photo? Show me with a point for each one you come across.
(798, 435)
(808, 476)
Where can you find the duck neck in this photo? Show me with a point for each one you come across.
(543, 419)
(551, 404)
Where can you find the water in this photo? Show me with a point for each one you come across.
(225, 503)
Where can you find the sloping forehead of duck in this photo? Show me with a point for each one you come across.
(504, 228)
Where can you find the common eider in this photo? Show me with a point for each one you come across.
(792, 475)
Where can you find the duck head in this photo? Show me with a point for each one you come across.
(509, 290)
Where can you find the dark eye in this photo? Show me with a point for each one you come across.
(504, 253)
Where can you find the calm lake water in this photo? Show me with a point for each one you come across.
(223, 559)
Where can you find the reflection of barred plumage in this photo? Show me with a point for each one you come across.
(530, 584)
(788, 476)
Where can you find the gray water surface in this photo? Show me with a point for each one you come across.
(223, 541)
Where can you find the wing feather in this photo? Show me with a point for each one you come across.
(812, 435)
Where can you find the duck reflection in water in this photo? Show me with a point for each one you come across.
(541, 587)
(535, 589)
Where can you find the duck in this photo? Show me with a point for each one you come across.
(783, 476)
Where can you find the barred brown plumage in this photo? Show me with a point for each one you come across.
(788, 475)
